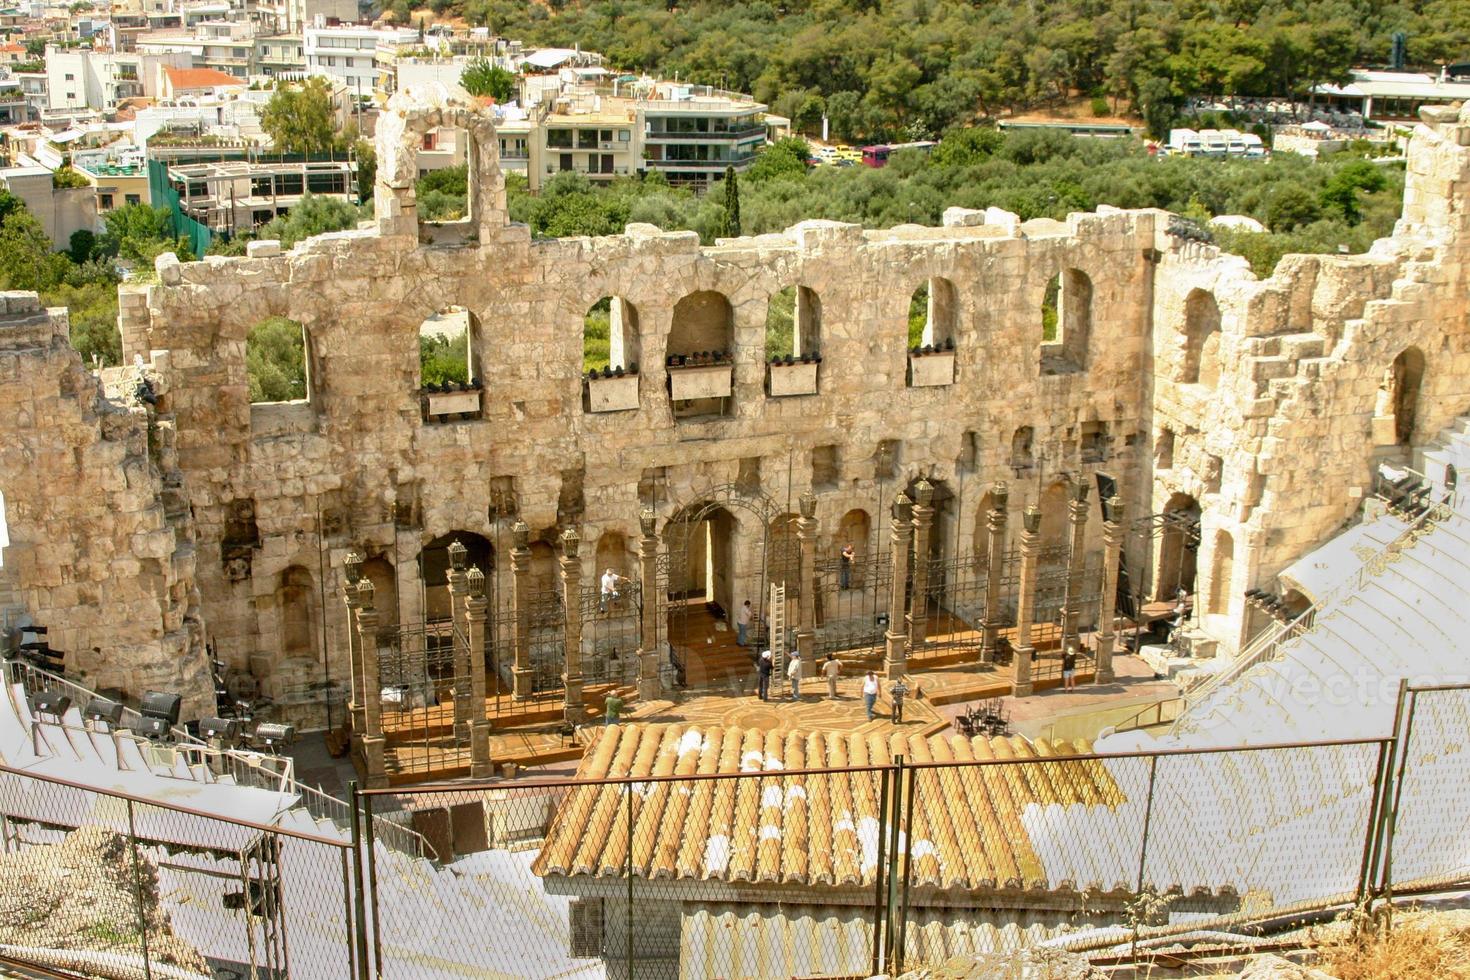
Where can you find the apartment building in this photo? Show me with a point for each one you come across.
(236, 195)
(349, 54)
(692, 138)
(294, 16)
(13, 108)
(280, 55)
(78, 78)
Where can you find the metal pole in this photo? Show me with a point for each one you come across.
(138, 892)
(359, 890)
(1148, 816)
(1396, 789)
(878, 913)
(354, 968)
(370, 838)
(628, 917)
(321, 582)
(908, 835)
(1383, 775)
(894, 856)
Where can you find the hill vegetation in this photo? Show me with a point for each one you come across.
(890, 68)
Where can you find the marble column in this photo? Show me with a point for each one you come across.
(574, 706)
(374, 769)
(522, 674)
(648, 652)
(995, 529)
(355, 722)
(1076, 561)
(475, 629)
(806, 624)
(918, 621)
(900, 531)
(1026, 602)
(463, 705)
(1113, 533)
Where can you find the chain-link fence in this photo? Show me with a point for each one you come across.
(107, 884)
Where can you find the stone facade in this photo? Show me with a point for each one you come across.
(1178, 374)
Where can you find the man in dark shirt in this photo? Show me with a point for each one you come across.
(763, 667)
(1069, 668)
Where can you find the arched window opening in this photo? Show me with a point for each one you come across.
(613, 552)
(933, 315)
(1022, 452)
(793, 324)
(854, 531)
(1066, 322)
(1223, 570)
(434, 569)
(699, 358)
(296, 604)
(276, 362)
(1396, 411)
(1178, 548)
(1054, 521)
(610, 337)
(1201, 339)
(381, 573)
(783, 553)
(449, 376)
(1164, 450)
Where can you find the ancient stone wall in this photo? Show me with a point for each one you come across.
(1179, 375)
(101, 543)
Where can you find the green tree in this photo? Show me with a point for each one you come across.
(312, 215)
(367, 168)
(67, 177)
(484, 79)
(1291, 206)
(444, 359)
(732, 203)
(26, 259)
(275, 361)
(299, 119)
(141, 233)
(1340, 193)
(785, 158)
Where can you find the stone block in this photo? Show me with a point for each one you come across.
(614, 394)
(796, 378)
(931, 370)
(263, 248)
(689, 383)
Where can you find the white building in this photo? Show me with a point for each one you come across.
(348, 54)
(84, 79)
(294, 16)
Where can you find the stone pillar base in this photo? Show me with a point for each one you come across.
(480, 765)
(1021, 685)
(649, 688)
(1103, 673)
(372, 759)
(521, 683)
(895, 662)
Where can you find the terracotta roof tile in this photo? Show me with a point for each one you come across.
(187, 78)
(814, 829)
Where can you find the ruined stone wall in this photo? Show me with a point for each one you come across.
(1280, 451)
(1266, 389)
(101, 543)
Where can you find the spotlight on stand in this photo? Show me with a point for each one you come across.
(49, 703)
(103, 710)
(273, 738)
(160, 713)
(226, 730)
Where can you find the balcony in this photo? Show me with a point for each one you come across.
(931, 367)
(696, 164)
(612, 392)
(787, 377)
(732, 134)
(451, 403)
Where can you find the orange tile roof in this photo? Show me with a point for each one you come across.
(811, 829)
(187, 78)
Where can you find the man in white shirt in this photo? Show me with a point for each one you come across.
(793, 671)
(610, 593)
(742, 623)
(870, 693)
(831, 670)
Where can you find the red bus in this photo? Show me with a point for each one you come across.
(877, 155)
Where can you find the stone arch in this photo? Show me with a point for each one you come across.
(1054, 516)
(1023, 452)
(544, 567)
(613, 551)
(1201, 364)
(400, 134)
(1396, 411)
(434, 569)
(278, 362)
(1066, 322)
(934, 312)
(700, 350)
(701, 544)
(380, 571)
(296, 608)
(783, 552)
(1178, 547)
(793, 323)
(610, 335)
(1222, 570)
(703, 323)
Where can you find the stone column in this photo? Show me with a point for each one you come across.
(900, 530)
(648, 652)
(375, 772)
(475, 605)
(1076, 561)
(1112, 552)
(574, 708)
(520, 598)
(463, 705)
(923, 527)
(995, 528)
(1026, 602)
(806, 536)
(354, 649)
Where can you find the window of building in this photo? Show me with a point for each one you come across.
(624, 135)
(132, 199)
(70, 77)
(793, 323)
(586, 139)
(104, 201)
(610, 335)
(559, 138)
(1066, 322)
(933, 314)
(276, 362)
